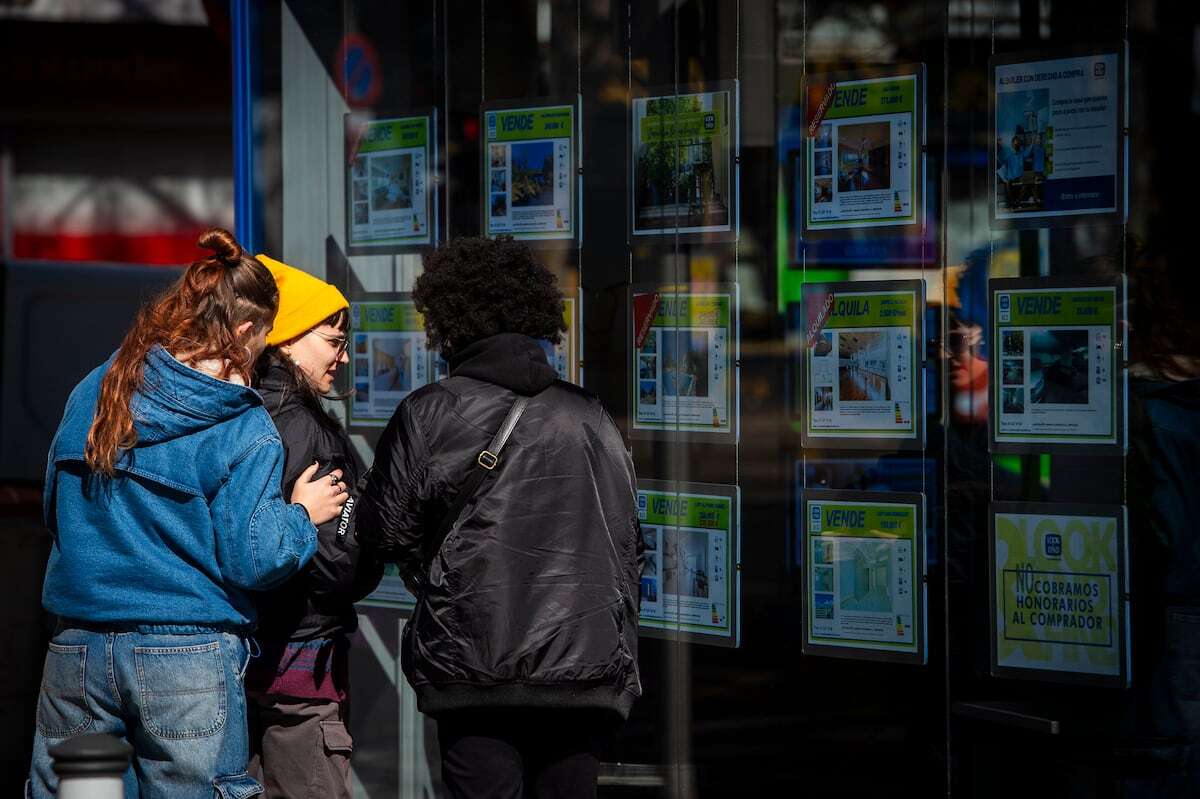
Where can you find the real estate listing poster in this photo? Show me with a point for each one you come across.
(531, 159)
(1057, 380)
(863, 150)
(685, 171)
(911, 472)
(864, 574)
(684, 362)
(391, 592)
(1059, 586)
(390, 198)
(389, 358)
(690, 583)
(862, 365)
(1059, 147)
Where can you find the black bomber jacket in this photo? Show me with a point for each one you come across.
(319, 600)
(532, 598)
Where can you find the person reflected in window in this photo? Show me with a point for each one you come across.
(1162, 711)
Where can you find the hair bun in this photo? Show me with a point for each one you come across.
(221, 242)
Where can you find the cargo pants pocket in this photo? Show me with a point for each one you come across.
(334, 779)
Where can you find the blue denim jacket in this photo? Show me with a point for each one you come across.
(193, 518)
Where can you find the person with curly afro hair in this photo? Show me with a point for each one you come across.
(523, 642)
(474, 288)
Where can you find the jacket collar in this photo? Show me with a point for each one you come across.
(509, 360)
(274, 383)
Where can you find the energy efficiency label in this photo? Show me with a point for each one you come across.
(530, 171)
(864, 572)
(1059, 144)
(864, 158)
(684, 361)
(389, 357)
(1056, 376)
(389, 201)
(689, 582)
(684, 163)
(863, 363)
(1059, 583)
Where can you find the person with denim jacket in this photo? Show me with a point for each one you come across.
(163, 498)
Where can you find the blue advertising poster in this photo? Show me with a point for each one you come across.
(1058, 139)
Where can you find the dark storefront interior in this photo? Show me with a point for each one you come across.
(764, 716)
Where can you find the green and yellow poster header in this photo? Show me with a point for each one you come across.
(892, 309)
(1088, 306)
(388, 317)
(872, 97)
(395, 134)
(686, 510)
(693, 310)
(862, 519)
(522, 124)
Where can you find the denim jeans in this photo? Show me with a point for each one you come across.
(177, 699)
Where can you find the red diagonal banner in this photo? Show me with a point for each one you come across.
(645, 306)
(818, 115)
(819, 306)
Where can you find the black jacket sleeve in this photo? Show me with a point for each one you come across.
(370, 568)
(338, 571)
(394, 509)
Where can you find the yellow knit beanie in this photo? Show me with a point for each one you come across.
(304, 301)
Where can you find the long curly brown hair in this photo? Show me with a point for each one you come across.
(197, 316)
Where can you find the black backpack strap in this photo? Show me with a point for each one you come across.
(485, 463)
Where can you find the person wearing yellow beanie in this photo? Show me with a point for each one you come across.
(311, 311)
(298, 689)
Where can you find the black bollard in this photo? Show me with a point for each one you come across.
(91, 766)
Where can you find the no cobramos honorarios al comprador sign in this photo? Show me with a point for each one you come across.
(1059, 579)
